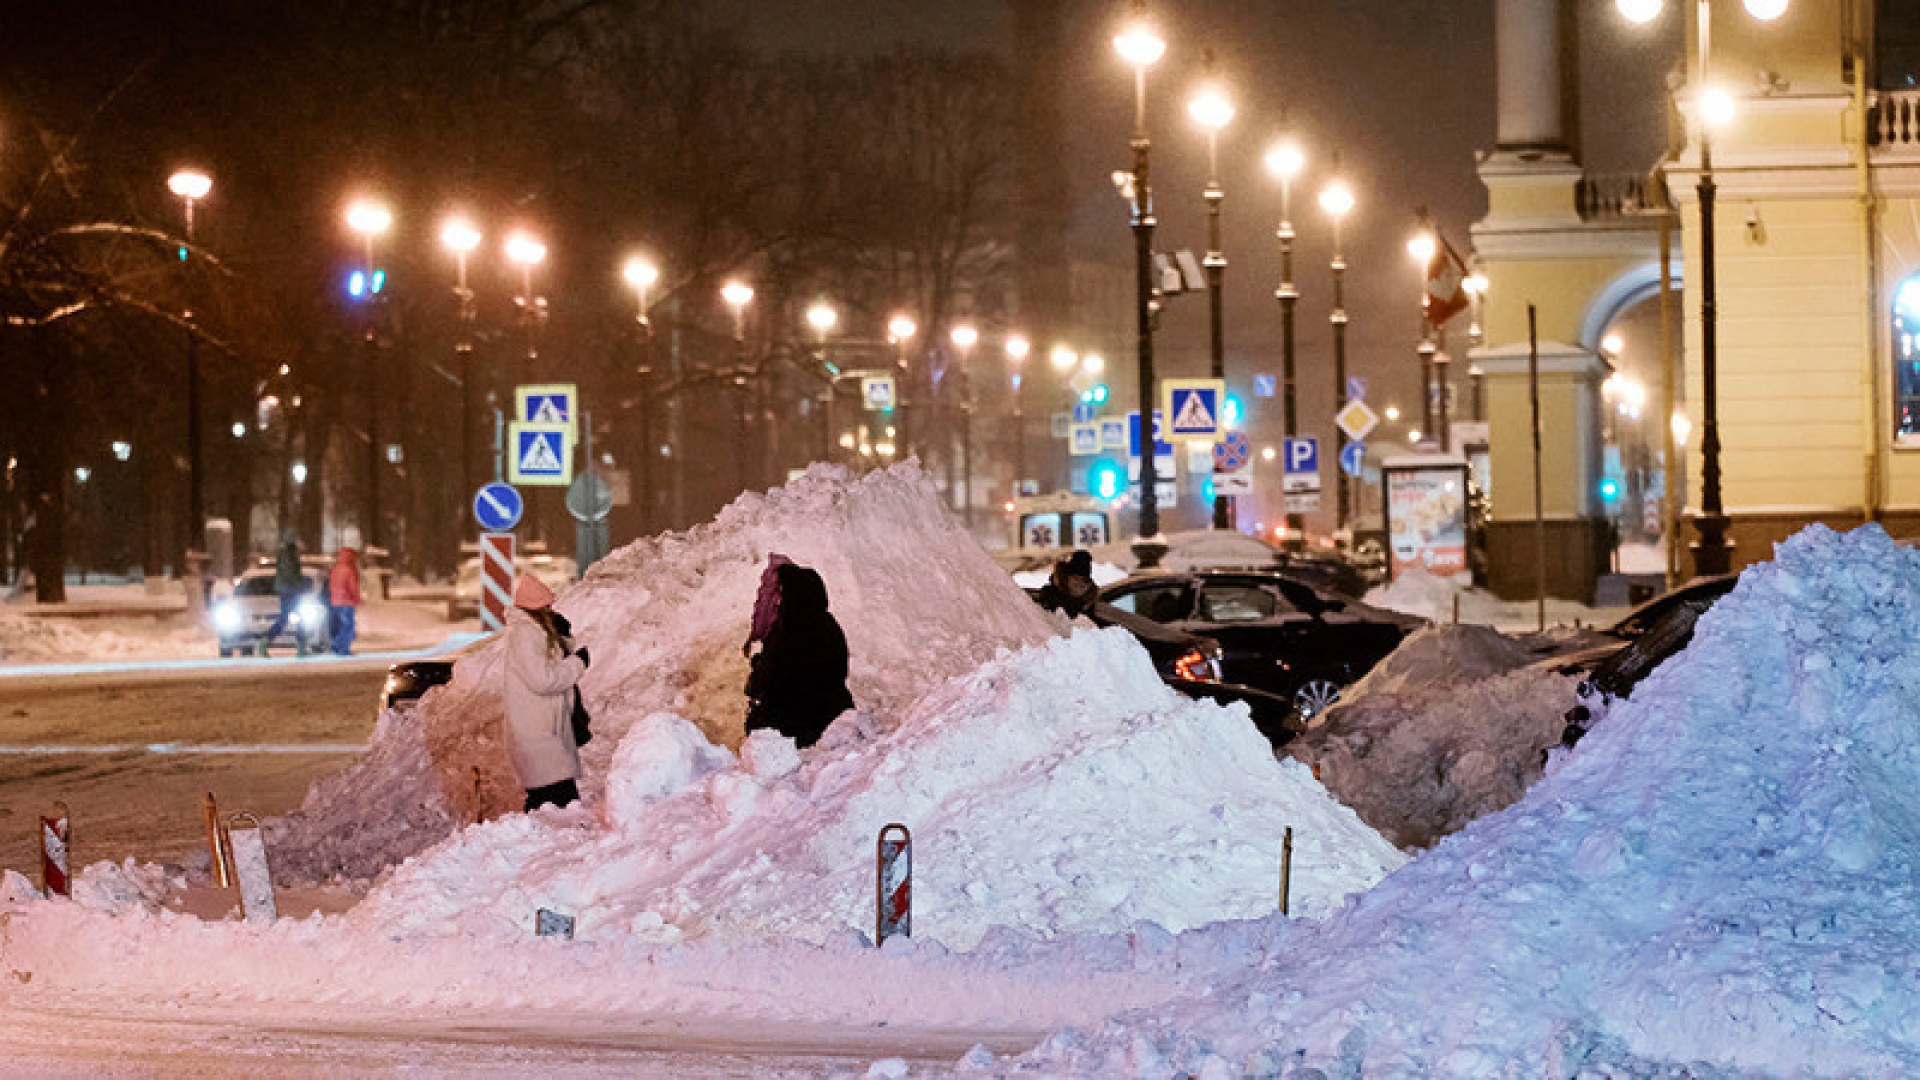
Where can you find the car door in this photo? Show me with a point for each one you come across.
(1261, 635)
(1166, 600)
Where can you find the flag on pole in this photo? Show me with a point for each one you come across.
(1446, 294)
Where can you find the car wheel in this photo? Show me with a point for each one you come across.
(1314, 697)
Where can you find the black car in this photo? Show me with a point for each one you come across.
(1276, 633)
(1651, 634)
(1602, 645)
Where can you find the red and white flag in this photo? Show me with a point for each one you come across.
(1446, 294)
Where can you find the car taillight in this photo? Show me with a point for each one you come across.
(1195, 665)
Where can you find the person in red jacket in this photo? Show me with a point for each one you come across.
(343, 596)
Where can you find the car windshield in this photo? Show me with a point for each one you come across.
(262, 585)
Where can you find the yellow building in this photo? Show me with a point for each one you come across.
(1815, 277)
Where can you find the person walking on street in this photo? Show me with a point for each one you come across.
(798, 682)
(288, 584)
(543, 670)
(343, 598)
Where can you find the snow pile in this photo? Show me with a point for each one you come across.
(664, 619)
(32, 639)
(1719, 879)
(1435, 659)
(1060, 789)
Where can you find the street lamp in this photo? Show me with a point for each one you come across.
(964, 337)
(371, 220)
(1139, 46)
(900, 331)
(641, 274)
(1476, 286)
(1285, 161)
(822, 318)
(1017, 348)
(1710, 549)
(526, 252)
(191, 185)
(459, 236)
(1337, 200)
(1423, 247)
(1212, 111)
(737, 295)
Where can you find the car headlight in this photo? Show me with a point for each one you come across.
(226, 618)
(310, 614)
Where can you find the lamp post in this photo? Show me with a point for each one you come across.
(737, 295)
(1476, 286)
(1337, 200)
(1286, 161)
(371, 220)
(1710, 548)
(823, 318)
(191, 186)
(460, 237)
(1423, 247)
(640, 274)
(964, 337)
(1141, 47)
(526, 252)
(1017, 348)
(900, 331)
(1212, 111)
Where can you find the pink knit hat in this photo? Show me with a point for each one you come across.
(531, 593)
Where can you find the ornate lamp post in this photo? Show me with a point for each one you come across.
(964, 338)
(371, 220)
(1337, 200)
(641, 274)
(460, 237)
(1286, 161)
(1212, 111)
(192, 185)
(737, 295)
(526, 252)
(900, 331)
(1141, 47)
(1714, 108)
(1017, 348)
(823, 318)
(1423, 247)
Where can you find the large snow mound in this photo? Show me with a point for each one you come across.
(1720, 879)
(664, 618)
(1059, 789)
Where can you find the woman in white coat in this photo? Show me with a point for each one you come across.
(542, 670)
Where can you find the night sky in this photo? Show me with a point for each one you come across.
(1403, 89)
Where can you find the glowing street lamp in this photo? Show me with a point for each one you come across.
(1337, 200)
(192, 185)
(1422, 247)
(640, 274)
(737, 295)
(371, 220)
(964, 337)
(1212, 111)
(460, 237)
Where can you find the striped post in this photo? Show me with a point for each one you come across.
(496, 579)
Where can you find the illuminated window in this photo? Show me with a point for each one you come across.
(1906, 357)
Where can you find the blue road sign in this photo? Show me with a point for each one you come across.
(1303, 456)
(1161, 447)
(1353, 458)
(1232, 453)
(1356, 388)
(1113, 433)
(1264, 386)
(1197, 411)
(497, 507)
(540, 454)
(1083, 412)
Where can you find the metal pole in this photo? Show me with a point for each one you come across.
(1339, 320)
(196, 504)
(372, 380)
(1216, 264)
(1147, 544)
(1539, 509)
(1710, 555)
(463, 358)
(647, 449)
(1429, 425)
(1289, 296)
(1440, 405)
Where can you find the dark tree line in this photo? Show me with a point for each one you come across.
(605, 126)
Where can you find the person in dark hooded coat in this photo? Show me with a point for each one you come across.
(798, 684)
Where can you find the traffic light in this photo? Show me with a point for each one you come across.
(379, 281)
(1233, 412)
(357, 284)
(1095, 395)
(1609, 490)
(1105, 479)
(182, 250)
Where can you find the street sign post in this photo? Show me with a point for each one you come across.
(1264, 386)
(1356, 419)
(1232, 453)
(589, 498)
(878, 392)
(497, 507)
(496, 579)
(1113, 433)
(1233, 483)
(540, 454)
(1353, 459)
(1085, 441)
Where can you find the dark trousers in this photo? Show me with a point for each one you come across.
(564, 793)
(287, 604)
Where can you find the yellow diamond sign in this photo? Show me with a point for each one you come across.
(1356, 420)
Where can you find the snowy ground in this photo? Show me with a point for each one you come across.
(1095, 858)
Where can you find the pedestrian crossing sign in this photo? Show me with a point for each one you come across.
(1194, 407)
(540, 454)
(548, 403)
